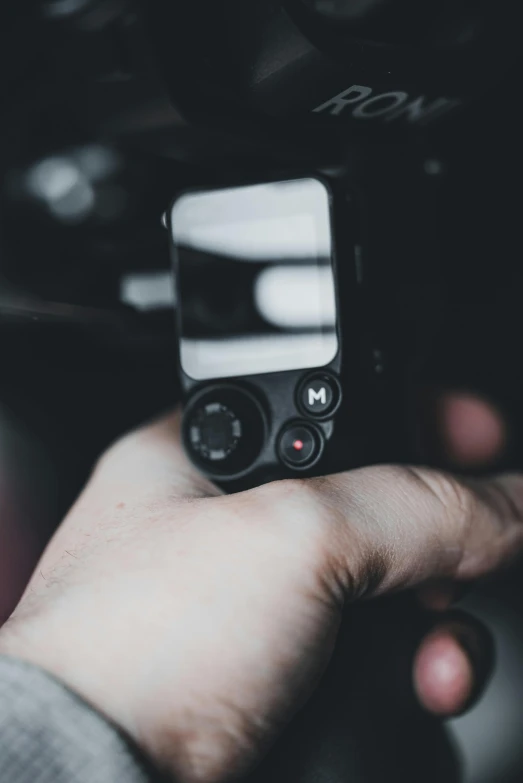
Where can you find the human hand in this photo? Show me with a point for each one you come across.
(199, 623)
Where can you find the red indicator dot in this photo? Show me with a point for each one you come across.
(297, 445)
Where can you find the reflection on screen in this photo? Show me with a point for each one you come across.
(255, 279)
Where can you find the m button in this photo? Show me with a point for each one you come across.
(319, 396)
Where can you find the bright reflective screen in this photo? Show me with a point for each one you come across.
(255, 279)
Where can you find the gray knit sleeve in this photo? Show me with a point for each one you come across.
(49, 735)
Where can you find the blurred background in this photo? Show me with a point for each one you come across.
(89, 163)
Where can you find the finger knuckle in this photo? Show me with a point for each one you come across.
(500, 495)
(307, 520)
(296, 503)
(453, 499)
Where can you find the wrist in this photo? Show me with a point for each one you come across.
(62, 651)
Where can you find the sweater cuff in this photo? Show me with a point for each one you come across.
(50, 735)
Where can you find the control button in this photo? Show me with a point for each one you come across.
(215, 432)
(300, 446)
(224, 430)
(319, 395)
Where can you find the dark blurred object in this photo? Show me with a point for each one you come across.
(28, 491)
(83, 14)
(339, 736)
(445, 22)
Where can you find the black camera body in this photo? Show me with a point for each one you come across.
(273, 378)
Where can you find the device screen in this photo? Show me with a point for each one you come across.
(255, 280)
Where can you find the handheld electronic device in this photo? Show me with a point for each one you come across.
(261, 345)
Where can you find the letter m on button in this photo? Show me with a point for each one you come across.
(318, 396)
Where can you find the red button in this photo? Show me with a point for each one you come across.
(300, 445)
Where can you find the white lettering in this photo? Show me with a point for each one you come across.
(392, 101)
(389, 105)
(339, 103)
(320, 396)
(418, 111)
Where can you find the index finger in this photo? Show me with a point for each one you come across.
(389, 528)
(382, 528)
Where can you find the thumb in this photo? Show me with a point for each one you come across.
(389, 528)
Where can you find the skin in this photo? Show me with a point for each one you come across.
(199, 623)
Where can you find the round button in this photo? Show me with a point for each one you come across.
(300, 446)
(319, 396)
(215, 431)
(224, 430)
